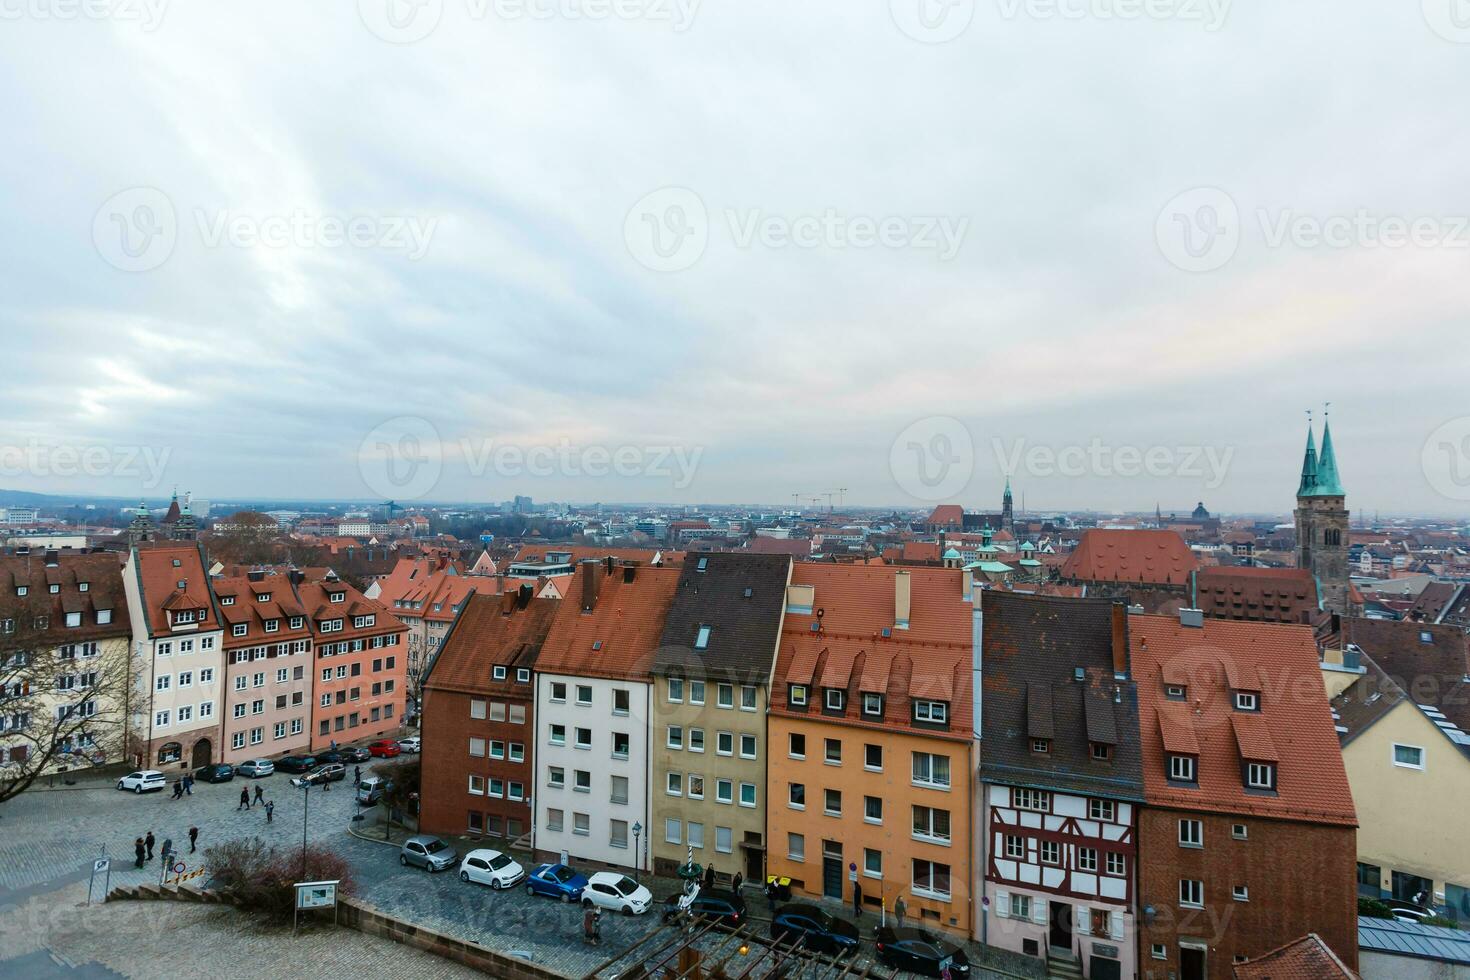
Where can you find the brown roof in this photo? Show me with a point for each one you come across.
(619, 635)
(507, 630)
(315, 599)
(1294, 726)
(739, 598)
(281, 607)
(1307, 958)
(1267, 595)
(160, 570)
(103, 577)
(947, 514)
(1147, 556)
(1428, 664)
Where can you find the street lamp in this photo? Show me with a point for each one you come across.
(637, 832)
(305, 809)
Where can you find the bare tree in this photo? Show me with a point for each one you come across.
(61, 703)
(246, 537)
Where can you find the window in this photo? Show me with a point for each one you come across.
(724, 791)
(931, 770)
(617, 833)
(673, 830)
(558, 691)
(477, 785)
(1191, 893)
(931, 712)
(1260, 775)
(477, 748)
(523, 675)
(836, 699)
(701, 638)
(796, 746)
(1117, 864)
(796, 695)
(1247, 701)
(1102, 810)
(584, 694)
(832, 751)
(497, 749)
(696, 740)
(747, 747)
(1239, 831)
(1159, 951)
(832, 806)
(675, 737)
(873, 705)
(747, 794)
(1101, 751)
(931, 879)
(723, 840)
(498, 672)
(584, 738)
(1176, 692)
(696, 786)
(696, 834)
(558, 734)
(725, 743)
(582, 781)
(796, 796)
(747, 698)
(556, 777)
(1035, 800)
(675, 785)
(620, 701)
(796, 847)
(1086, 858)
(1191, 833)
(696, 692)
(872, 862)
(1241, 893)
(873, 809)
(581, 824)
(1408, 756)
(676, 689)
(1181, 768)
(725, 695)
(1050, 851)
(1041, 746)
(1020, 906)
(1015, 847)
(873, 757)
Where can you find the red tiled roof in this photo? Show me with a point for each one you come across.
(1294, 725)
(947, 514)
(1307, 958)
(1270, 595)
(1135, 556)
(626, 623)
(159, 578)
(492, 629)
(281, 606)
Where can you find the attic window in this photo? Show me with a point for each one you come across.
(177, 563)
(701, 640)
(701, 565)
(873, 704)
(498, 673)
(1041, 746)
(1425, 636)
(748, 593)
(1260, 775)
(597, 644)
(262, 597)
(836, 699)
(1176, 692)
(81, 586)
(1101, 751)
(1247, 701)
(227, 600)
(796, 694)
(183, 584)
(21, 589)
(339, 596)
(55, 588)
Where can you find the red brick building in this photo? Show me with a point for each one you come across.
(1247, 837)
(360, 663)
(479, 717)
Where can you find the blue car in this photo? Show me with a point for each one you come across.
(556, 880)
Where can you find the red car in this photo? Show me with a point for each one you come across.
(384, 749)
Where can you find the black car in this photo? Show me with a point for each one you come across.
(216, 773)
(296, 763)
(338, 757)
(920, 952)
(712, 904)
(354, 753)
(823, 932)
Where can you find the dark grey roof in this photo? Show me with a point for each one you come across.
(741, 598)
(1032, 649)
(1397, 938)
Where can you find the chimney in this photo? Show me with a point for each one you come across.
(1120, 640)
(590, 582)
(630, 571)
(52, 558)
(523, 596)
(902, 599)
(610, 562)
(255, 575)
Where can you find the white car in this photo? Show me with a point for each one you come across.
(617, 893)
(143, 781)
(409, 744)
(487, 867)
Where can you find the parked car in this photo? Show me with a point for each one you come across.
(718, 904)
(331, 756)
(616, 892)
(332, 772)
(255, 768)
(384, 748)
(355, 753)
(487, 867)
(920, 952)
(143, 781)
(215, 773)
(426, 851)
(823, 932)
(296, 763)
(556, 880)
(410, 744)
(370, 790)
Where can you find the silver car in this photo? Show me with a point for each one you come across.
(256, 768)
(427, 851)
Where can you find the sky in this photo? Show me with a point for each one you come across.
(726, 252)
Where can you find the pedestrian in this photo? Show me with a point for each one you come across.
(736, 882)
(259, 794)
(148, 842)
(356, 776)
(334, 745)
(193, 839)
(857, 900)
(900, 909)
(270, 811)
(138, 853)
(709, 876)
(771, 892)
(244, 800)
(179, 790)
(168, 849)
(326, 783)
(189, 783)
(589, 925)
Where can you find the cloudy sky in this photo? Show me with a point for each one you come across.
(730, 251)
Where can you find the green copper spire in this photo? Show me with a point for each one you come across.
(1328, 482)
(1309, 467)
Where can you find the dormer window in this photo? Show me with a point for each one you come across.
(836, 699)
(227, 600)
(338, 596)
(184, 616)
(701, 565)
(272, 625)
(931, 712)
(796, 695)
(1260, 775)
(239, 629)
(22, 589)
(701, 639)
(177, 563)
(1181, 768)
(1101, 751)
(54, 588)
(82, 586)
(873, 705)
(1247, 701)
(262, 597)
(1041, 746)
(1176, 692)
(297, 622)
(498, 672)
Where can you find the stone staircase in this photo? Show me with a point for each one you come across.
(168, 893)
(1063, 966)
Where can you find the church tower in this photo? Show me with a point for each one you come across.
(1322, 523)
(1007, 509)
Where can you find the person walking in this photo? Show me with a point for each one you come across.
(270, 811)
(138, 853)
(193, 839)
(857, 900)
(148, 843)
(259, 794)
(244, 800)
(326, 783)
(709, 876)
(189, 783)
(900, 909)
(179, 790)
(589, 925)
(356, 777)
(771, 892)
(736, 882)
